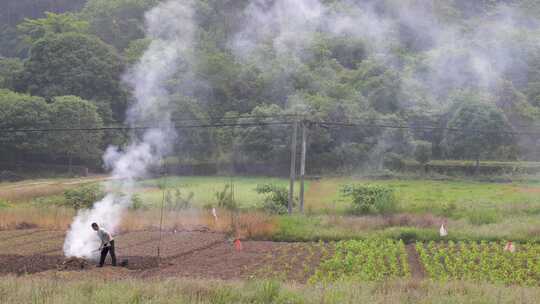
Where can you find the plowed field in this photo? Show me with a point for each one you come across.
(196, 254)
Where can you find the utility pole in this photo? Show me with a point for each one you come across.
(303, 165)
(293, 166)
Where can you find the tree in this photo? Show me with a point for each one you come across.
(135, 50)
(10, 68)
(262, 143)
(74, 64)
(70, 112)
(117, 22)
(422, 151)
(21, 111)
(380, 85)
(9, 42)
(477, 129)
(32, 30)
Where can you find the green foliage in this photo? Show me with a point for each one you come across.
(332, 77)
(482, 216)
(135, 50)
(83, 66)
(47, 201)
(177, 201)
(448, 209)
(10, 42)
(10, 68)
(225, 198)
(69, 111)
(3, 204)
(83, 197)
(254, 141)
(117, 22)
(20, 111)
(276, 198)
(482, 261)
(366, 260)
(31, 30)
(472, 115)
(422, 151)
(371, 198)
(136, 203)
(380, 86)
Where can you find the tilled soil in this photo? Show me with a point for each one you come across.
(288, 261)
(19, 264)
(194, 254)
(417, 270)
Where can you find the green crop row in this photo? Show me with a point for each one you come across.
(481, 262)
(364, 260)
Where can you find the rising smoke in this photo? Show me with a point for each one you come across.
(170, 26)
(454, 56)
(456, 51)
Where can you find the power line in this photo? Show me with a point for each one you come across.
(427, 128)
(126, 128)
(283, 120)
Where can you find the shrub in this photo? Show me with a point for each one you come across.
(51, 200)
(277, 198)
(9, 176)
(422, 151)
(83, 197)
(225, 198)
(178, 201)
(371, 198)
(3, 204)
(393, 161)
(136, 202)
(448, 209)
(482, 217)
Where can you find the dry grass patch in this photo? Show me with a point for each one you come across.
(54, 218)
(28, 190)
(250, 225)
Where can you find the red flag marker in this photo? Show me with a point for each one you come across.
(238, 245)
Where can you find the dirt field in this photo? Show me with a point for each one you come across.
(193, 254)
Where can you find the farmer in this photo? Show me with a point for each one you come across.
(107, 244)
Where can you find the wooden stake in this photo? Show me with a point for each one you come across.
(303, 166)
(293, 166)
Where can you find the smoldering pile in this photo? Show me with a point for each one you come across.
(73, 263)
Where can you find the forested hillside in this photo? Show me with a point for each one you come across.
(437, 65)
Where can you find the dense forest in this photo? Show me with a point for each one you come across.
(470, 66)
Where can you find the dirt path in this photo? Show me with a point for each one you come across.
(417, 271)
(26, 190)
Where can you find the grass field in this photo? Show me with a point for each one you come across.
(471, 209)
(66, 289)
(272, 272)
(204, 189)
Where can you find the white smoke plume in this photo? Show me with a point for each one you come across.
(170, 26)
(453, 56)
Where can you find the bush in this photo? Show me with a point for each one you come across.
(136, 203)
(9, 176)
(448, 209)
(422, 151)
(176, 201)
(371, 198)
(225, 198)
(393, 161)
(482, 217)
(276, 200)
(3, 204)
(83, 197)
